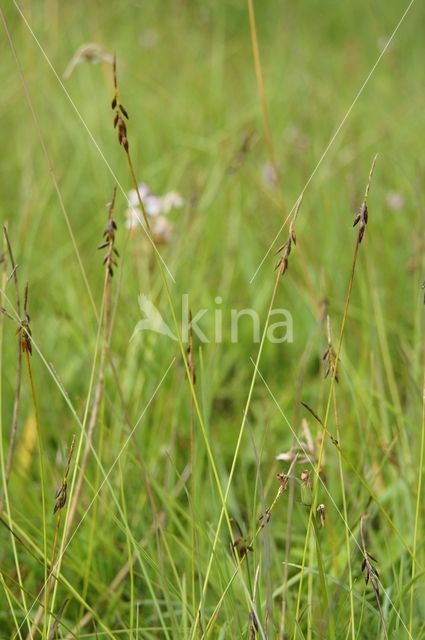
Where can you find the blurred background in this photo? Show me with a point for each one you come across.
(197, 126)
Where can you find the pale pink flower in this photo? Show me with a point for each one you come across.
(156, 207)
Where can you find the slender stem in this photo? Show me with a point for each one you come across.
(236, 452)
(260, 83)
(77, 482)
(280, 271)
(419, 503)
(241, 560)
(43, 495)
(48, 161)
(345, 513)
(362, 221)
(5, 496)
(18, 375)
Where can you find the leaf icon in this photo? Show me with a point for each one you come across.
(153, 320)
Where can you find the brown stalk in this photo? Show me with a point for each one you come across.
(60, 501)
(119, 123)
(109, 262)
(329, 357)
(285, 249)
(120, 117)
(18, 375)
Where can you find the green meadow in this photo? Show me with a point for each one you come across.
(256, 472)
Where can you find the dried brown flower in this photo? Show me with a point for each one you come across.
(111, 255)
(119, 122)
(362, 217)
(321, 511)
(61, 493)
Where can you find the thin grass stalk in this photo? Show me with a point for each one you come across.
(195, 558)
(105, 476)
(77, 480)
(76, 488)
(260, 85)
(135, 545)
(236, 452)
(74, 476)
(35, 552)
(48, 161)
(124, 571)
(61, 496)
(368, 488)
(93, 534)
(59, 577)
(281, 269)
(283, 483)
(328, 623)
(18, 376)
(11, 596)
(43, 493)
(118, 579)
(304, 360)
(288, 543)
(10, 603)
(332, 363)
(25, 345)
(371, 575)
(123, 140)
(158, 529)
(5, 496)
(296, 578)
(361, 219)
(417, 525)
(129, 562)
(52, 579)
(158, 516)
(345, 514)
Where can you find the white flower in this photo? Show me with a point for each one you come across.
(156, 207)
(144, 191)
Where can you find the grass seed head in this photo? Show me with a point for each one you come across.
(111, 255)
(61, 493)
(321, 512)
(120, 110)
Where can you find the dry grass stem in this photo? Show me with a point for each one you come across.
(18, 375)
(120, 117)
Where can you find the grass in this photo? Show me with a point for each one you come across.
(182, 528)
